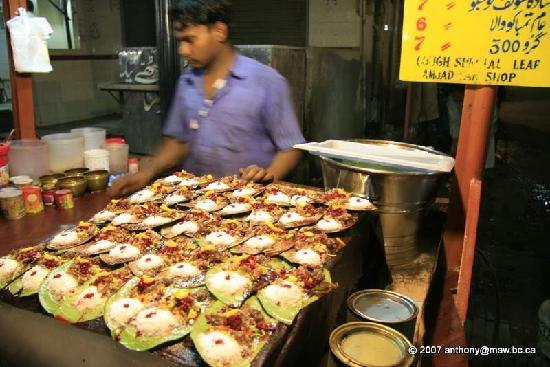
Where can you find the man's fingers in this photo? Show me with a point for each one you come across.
(119, 187)
(250, 172)
(259, 176)
(268, 177)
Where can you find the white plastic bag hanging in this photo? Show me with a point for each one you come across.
(28, 42)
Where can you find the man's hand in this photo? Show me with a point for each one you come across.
(282, 164)
(171, 153)
(257, 174)
(129, 184)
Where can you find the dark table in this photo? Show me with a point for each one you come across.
(34, 228)
(29, 337)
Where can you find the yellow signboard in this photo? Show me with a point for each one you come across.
(491, 42)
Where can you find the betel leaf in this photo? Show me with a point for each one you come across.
(15, 287)
(49, 301)
(202, 327)
(286, 313)
(129, 338)
(69, 312)
(222, 292)
(6, 280)
(18, 289)
(122, 293)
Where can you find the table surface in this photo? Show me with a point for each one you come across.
(34, 228)
(412, 281)
(290, 345)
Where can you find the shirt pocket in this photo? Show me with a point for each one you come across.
(241, 127)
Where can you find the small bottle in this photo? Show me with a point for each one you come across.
(133, 165)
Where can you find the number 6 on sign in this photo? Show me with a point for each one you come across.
(421, 24)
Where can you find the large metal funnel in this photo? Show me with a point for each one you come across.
(400, 195)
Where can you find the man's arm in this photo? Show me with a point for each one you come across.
(171, 153)
(283, 163)
(282, 125)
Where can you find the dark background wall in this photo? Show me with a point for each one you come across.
(138, 23)
(270, 22)
(266, 22)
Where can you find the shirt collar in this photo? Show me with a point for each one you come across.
(239, 70)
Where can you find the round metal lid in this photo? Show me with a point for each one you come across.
(382, 306)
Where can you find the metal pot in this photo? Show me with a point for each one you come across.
(400, 195)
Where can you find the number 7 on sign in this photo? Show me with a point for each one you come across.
(421, 5)
(420, 41)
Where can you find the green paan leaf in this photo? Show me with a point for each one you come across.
(130, 339)
(70, 312)
(230, 287)
(15, 287)
(202, 327)
(122, 293)
(49, 301)
(6, 280)
(285, 310)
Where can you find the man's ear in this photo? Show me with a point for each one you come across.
(221, 32)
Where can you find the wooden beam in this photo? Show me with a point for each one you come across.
(475, 125)
(21, 84)
(477, 114)
(468, 250)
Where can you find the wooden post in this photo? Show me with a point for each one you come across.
(21, 84)
(468, 252)
(477, 114)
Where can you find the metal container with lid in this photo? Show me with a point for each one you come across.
(389, 308)
(367, 344)
(400, 195)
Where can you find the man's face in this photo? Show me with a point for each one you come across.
(199, 44)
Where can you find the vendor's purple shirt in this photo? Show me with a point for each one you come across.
(248, 122)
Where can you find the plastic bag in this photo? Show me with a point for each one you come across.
(28, 42)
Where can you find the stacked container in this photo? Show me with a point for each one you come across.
(118, 155)
(66, 151)
(29, 158)
(94, 137)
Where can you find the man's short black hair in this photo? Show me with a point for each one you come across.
(201, 12)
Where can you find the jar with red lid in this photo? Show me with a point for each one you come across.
(4, 171)
(133, 165)
(64, 199)
(48, 197)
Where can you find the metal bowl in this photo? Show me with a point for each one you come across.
(51, 180)
(97, 180)
(77, 171)
(77, 184)
(378, 333)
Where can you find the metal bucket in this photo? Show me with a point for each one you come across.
(376, 345)
(385, 307)
(401, 197)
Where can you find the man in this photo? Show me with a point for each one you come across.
(230, 114)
